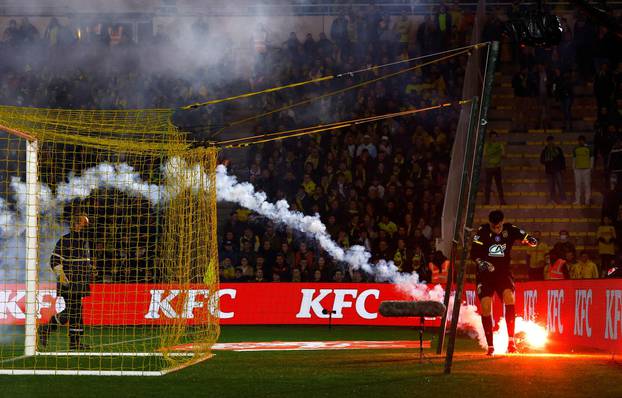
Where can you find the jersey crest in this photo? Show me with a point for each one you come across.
(497, 250)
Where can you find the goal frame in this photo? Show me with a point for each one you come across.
(32, 282)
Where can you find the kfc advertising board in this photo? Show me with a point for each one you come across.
(576, 313)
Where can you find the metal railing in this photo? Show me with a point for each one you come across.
(276, 8)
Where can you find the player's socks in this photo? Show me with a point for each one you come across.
(510, 315)
(487, 324)
(509, 319)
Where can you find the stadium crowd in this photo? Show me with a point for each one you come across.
(378, 185)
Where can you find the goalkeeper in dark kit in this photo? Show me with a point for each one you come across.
(71, 262)
(491, 249)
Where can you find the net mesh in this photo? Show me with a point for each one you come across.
(138, 282)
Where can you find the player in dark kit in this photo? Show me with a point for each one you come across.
(491, 249)
(72, 265)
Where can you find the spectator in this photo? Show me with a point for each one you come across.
(308, 185)
(582, 164)
(563, 245)
(385, 147)
(444, 25)
(520, 85)
(11, 34)
(606, 236)
(259, 276)
(357, 277)
(309, 48)
(324, 46)
(271, 236)
(404, 28)
(383, 252)
(288, 253)
(403, 257)
(368, 146)
(571, 260)
(494, 152)
(556, 268)
(228, 271)
(239, 276)
(422, 32)
(280, 269)
(563, 91)
(536, 258)
(266, 250)
(389, 39)
(248, 252)
(296, 275)
(52, 33)
(326, 266)
(584, 268)
(260, 264)
(339, 30)
(552, 157)
(438, 268)
(248, 272)
(317, 276)
(387, 225)
(542, 85)
(28, 32)
(604, 88)
(228, 252)
(250, 238)
(420, 265)
(303, 253)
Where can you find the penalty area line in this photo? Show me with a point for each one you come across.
(15, 358)
(136, 340)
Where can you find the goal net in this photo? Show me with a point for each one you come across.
(108, 252)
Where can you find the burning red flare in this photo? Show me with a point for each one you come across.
(528, 335)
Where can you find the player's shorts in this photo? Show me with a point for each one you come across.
(488, 285)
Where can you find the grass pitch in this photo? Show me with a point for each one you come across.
(360, 373)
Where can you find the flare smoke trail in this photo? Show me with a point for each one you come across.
(243, 193)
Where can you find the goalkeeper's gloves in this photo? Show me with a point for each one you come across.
(484, 266)
(531, 241)
(62, 278)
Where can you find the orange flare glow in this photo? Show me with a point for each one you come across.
(527, 334)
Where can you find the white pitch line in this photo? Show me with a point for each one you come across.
(110, 354)
(126, 341)
(54, 372)
(136, 340)
(15, 358)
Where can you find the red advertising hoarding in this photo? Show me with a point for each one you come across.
(576, 313)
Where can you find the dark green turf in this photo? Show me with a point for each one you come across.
(364, 373)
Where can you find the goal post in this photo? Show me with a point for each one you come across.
(141, 298)
(32, 241)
